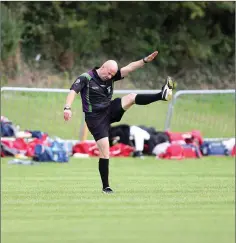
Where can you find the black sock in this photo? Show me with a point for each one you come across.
(145, 99)
(104, 171)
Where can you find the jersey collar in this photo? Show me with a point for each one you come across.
(96, 74)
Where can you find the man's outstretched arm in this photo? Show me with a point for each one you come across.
(138, 64)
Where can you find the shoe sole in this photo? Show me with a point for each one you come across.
(107, 192)
(169, 87)
(170, 83)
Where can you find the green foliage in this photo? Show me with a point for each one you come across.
(11, 31)
(188, 35)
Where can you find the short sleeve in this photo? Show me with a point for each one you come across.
(117, 76)
(79, 84)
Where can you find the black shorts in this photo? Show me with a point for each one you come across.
(99, 123)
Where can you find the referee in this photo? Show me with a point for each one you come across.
(96, 88)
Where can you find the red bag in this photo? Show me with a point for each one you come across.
(18, 144)
(121, 150)
(174, 151)
(193, 137)
(177, 151)
(191, 151)
(84, 148)
(233, 151)
(91, 149)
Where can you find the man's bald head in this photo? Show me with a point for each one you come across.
(111, 64)
(108, 70)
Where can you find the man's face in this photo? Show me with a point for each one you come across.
(107, 73)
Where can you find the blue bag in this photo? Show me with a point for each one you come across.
(58, 152)
(214, 148)
(54, 153)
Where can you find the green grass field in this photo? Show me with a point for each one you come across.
(187, 201)
(155, 201)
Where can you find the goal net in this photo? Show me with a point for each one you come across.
(211, 112)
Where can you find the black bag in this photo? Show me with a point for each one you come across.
(7, 129)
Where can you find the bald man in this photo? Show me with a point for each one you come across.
(96, 89)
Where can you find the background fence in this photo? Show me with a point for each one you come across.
(210, 111)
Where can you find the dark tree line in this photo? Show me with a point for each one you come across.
(195, 40)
